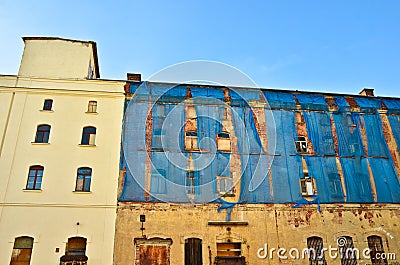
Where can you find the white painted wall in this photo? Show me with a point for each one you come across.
(50, 215)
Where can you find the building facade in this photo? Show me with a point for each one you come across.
(233, 176)
(59, 155)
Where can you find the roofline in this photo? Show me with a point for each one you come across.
(266, 89)
(93, 43)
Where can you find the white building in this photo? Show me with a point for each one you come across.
(60, 128)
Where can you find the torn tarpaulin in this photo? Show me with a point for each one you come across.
(303, 202)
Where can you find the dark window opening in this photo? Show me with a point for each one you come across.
(377, 254)
(48, 104)
(302, 144)
(315, 247)
(88, 135)
(347, 252)
(42, 133)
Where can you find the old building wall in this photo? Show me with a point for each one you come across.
(278, 226)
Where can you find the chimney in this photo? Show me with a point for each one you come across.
(134, 77)
(369, 92)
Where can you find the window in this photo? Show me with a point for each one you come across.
(42, 133)
(224, 141)
(191, 140)
(75, 252)
(229, 249)
(225, 186)
(92, 106)
(377, 252)
(301, 144)
(35, 178)
(192, 182)
(315, 247)
(307, 185)
(83, 179)
(22, 251)
(193, 251)
(48, 104)
(348, 254)
(158, 182)
(88, 135)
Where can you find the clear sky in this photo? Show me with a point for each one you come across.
(336, 46)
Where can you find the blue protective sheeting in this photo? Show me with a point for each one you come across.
(342, 104)
(358, 186)
(263, 154)
(393, 105)
(312, 101)
(395, 125)
(377, 146)
(386, 180)
(280, 100)
(349, 136)
(320, 132)
(368, 105)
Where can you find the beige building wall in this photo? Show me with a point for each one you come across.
(51, 215)
(254, 225)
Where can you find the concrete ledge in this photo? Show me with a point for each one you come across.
(228, 223)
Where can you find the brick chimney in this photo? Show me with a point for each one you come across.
(134, 77)
(369, 92)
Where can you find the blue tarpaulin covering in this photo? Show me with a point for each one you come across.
(312, 101)
(263, 155)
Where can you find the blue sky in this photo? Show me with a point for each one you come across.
(336, 46)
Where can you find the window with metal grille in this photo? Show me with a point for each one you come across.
(92, 106)
(22, 251)
(88, 135)
(315, 247)
(347, 252)
(377, 253)
(48, 104)
(83, 179)
(42, 133)
(35, 178)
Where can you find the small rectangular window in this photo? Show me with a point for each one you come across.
(224, 142)
(192, 182)
(225, 186)
(302, 144)
(307, 186)
(92, 106)
(191, 140)
(48, 104)
(35, 177)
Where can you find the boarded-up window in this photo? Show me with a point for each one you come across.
(377, 252)
(22, 251)
(229, 253)
(76, 246)
(193, 251)
(154, 251)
